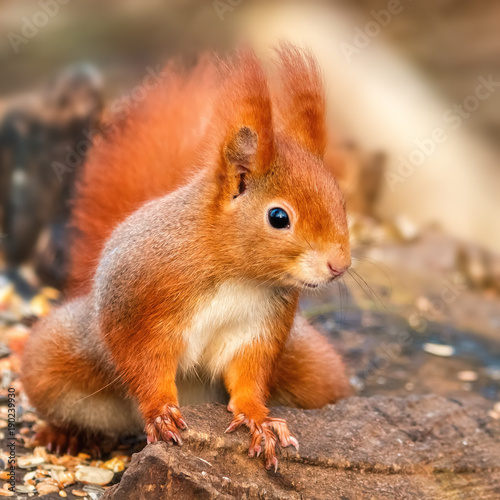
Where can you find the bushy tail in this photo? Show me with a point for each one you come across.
(310, 373)
(146, 154)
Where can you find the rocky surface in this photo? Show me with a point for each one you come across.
(421, 447)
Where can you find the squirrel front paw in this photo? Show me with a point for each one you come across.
(68, 441)
(166, 425)
(265, 436)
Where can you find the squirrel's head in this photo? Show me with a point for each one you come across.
(281, 215)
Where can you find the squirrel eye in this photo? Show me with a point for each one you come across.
(278, 218)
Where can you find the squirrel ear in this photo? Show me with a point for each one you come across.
(241, 150)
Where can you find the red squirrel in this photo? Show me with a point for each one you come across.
(201, 217)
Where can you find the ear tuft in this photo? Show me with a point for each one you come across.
(241, 150)
(300, 99)
(243, 115)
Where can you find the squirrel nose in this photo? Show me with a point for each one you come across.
(337, 271)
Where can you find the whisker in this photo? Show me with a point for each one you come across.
(341, 295)
(346, 294)
(370, 288)
(384, 305)
(372, 295)
(94, 393)
(380, 267)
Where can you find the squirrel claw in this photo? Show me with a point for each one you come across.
(65, 441)
(265, 437)
(165, 426)
(270, 462)
(237, 421)
(279, 426)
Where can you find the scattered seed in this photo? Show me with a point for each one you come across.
(46, 488)
(39, 305)
(28, 476)
(50, 467)
(93, 475)
(40, 451)
(64, 478)
(115, 465)
(26, 488)
(29, 462)
(79, 493)
(93, 489)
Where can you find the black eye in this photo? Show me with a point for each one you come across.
(278, 218)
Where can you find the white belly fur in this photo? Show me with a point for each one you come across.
(234, 317)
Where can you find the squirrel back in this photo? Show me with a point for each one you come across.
(146, 154)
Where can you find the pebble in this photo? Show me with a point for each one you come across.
(423, 303)
(407, 229)
(467, 376)
(441, 350)
(493, 372)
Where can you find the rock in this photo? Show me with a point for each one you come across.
(419, 447)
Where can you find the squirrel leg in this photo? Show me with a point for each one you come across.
(158, 402)
(150, 376)
(309, 372)
(247, 379)
(78, 396)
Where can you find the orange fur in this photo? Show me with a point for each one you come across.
(295, 384)
(146, 154)
(300, 98)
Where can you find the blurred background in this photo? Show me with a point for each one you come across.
(413, 94)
